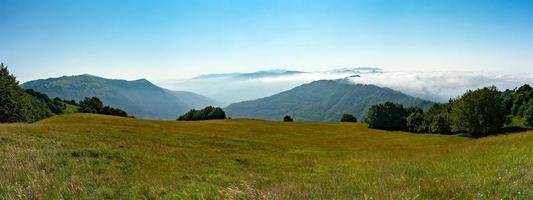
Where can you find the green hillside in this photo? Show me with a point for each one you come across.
(324, 100)
(85, 156)
(139, 98)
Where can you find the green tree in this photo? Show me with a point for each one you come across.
(437, 119)
(113, 111)
(479, 112)
(91, 105)
(348, 118)
(528, 113)
(287, 118)
(55, 105)
(416, 122)
(15, 104)
(207, 113)
(387, 116)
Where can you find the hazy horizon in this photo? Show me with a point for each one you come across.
(165, 40)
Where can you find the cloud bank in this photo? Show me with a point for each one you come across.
(437, 86)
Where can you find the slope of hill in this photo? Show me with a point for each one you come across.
(139, 98)
(324, 100)
(85, 156)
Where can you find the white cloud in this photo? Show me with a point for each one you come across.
(443, 85)
(432, 85)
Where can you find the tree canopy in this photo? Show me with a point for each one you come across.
(348, 118)
(207, 113)
(94, 105)
(15, 104)
(387, 116)
(479, 112)
(56, 105)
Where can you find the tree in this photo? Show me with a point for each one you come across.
(528, 113)
(55, 105)
(437, 119)
(416, 122)
(479, 112)
(348, 118)
(15, 104)
(387, 116)
(91, 105)
(94, 105)
(207, 113)
(114, 111)
(287, 118)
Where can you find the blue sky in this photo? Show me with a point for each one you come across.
(170, 39)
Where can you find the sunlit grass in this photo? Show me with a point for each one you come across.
(97, 157)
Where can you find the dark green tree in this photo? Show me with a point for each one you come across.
(207, 113)
(91, 105)
(437, 119)
(287, 118)
(479, 112)
(15, 104)
(55, 105)
(387, 116)
(113, 111)
(528, 113)
(348, 118)
(416, 122)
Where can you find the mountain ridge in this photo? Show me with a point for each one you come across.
(140, 97)
(323, 100)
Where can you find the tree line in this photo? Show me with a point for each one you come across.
(207, 113)
(478, 112)
(20, 105)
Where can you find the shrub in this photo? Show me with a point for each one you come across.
(207, 113)
(348, 118)
(287, 118)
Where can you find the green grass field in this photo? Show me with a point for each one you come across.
(84, 156)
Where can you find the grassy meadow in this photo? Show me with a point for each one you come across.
(85, 156)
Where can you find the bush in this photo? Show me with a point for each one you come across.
(348, 118)
(387, 116)
(479, 112)
(287, 118)
(207, 113)
(15, 104)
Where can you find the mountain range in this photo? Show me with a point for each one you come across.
(139, 98)
(324, 100)
(234, 87)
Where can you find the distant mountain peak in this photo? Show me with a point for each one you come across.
(248, 75)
